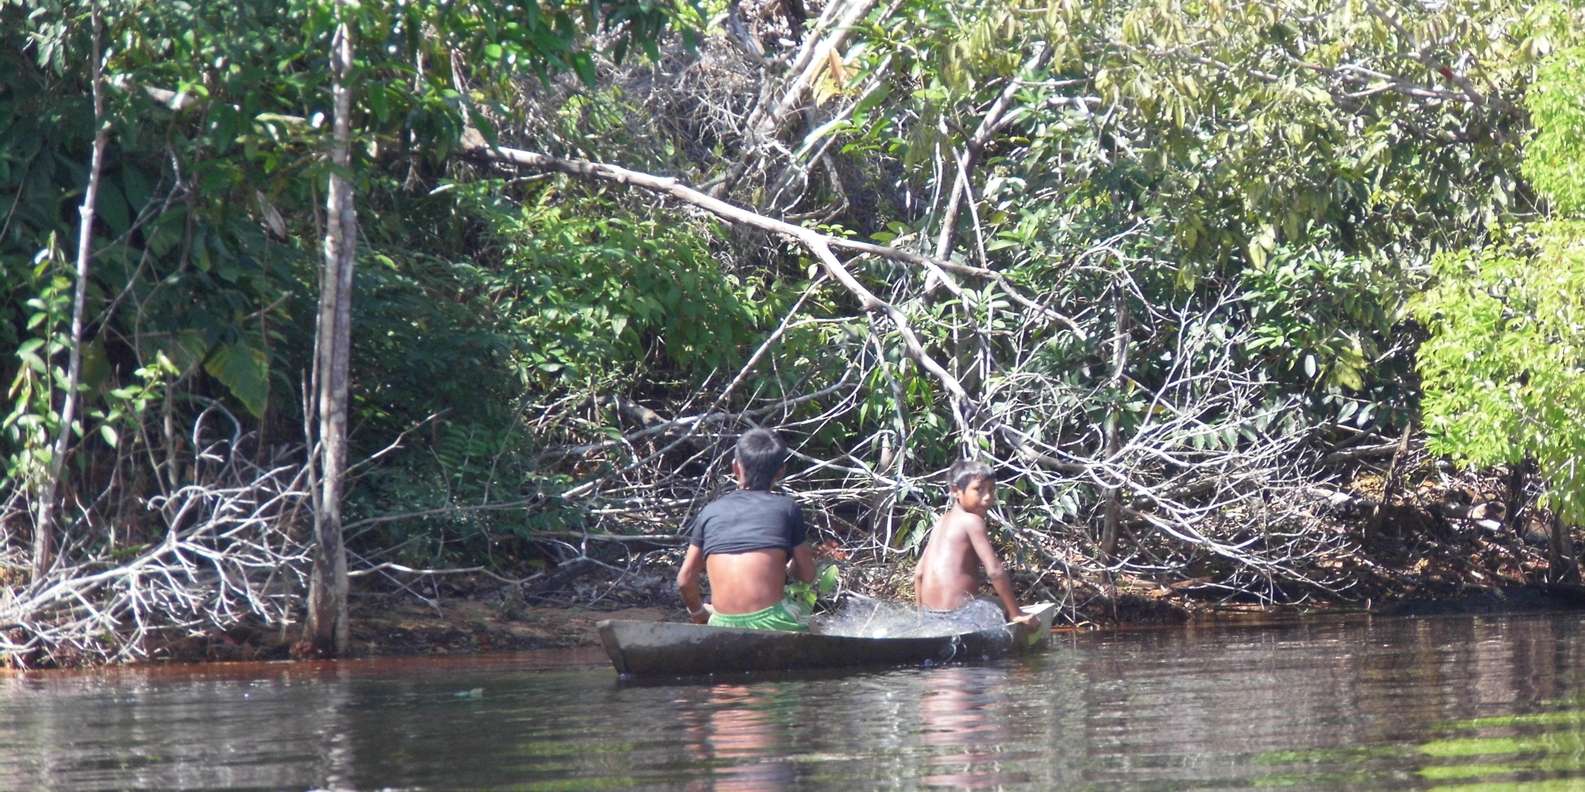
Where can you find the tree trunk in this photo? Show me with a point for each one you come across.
(1562, 566)
(1515, 499)
(44, 528)
(1114, 417)
(327, 592)
(1389, 490)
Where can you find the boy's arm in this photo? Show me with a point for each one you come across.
(924, 560)
(1000, 580)
(802, 564)
(688, 585)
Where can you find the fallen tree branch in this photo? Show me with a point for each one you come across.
(1360, 452)
(228, 552)
(819, 244)
(441, 511)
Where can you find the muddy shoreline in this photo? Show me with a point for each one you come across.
(396, 625)
(1436, 549)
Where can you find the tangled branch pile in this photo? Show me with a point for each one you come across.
(1156, 270)
(220, 550)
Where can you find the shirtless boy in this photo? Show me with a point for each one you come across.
(748, 542)
(946, 578)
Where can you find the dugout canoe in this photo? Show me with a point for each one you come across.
(641, 648)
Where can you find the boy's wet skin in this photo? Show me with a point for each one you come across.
(746, 582)
(959, 548)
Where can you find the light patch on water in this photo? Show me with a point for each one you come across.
(1535, 750)
(861, 617)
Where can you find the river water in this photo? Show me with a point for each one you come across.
(1341, 704)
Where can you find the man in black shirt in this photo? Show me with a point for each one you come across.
(749, 542)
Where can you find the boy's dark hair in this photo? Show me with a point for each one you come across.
(965, 471)
(761, 454)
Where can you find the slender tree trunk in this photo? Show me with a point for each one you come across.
(1514, 502)
(1114, 417)
(327, 591)
(1563, 566)
(1389, 490)
(44, 528)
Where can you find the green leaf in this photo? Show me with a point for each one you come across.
(112, 209)
(245, 371)
(189, 349)
(135, 187)
(1257, 255)
(912, 539)
(584, 66)
(379, 104)
(33, 361)
(826, 581)
(1349, 377)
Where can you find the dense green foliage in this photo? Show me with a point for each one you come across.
(207, 236)
(1504, 371)
(1221, 209)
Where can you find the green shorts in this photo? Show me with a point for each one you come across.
(785, 616)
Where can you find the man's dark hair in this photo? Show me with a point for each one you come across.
(964, 471)
(761, 454)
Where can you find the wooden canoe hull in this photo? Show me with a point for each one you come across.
(673, 649)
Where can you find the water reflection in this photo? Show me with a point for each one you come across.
(739, 733)
(958, 718)
(130, 729)
(1325, 704)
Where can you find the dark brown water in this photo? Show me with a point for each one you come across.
(1382, 703)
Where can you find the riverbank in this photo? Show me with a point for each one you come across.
(1459, 574)
(1442, 546)
(394, 625)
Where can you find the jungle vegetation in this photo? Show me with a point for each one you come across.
(1175, 268)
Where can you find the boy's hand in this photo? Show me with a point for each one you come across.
(701, 616)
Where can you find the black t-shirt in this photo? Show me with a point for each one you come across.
(745, 520)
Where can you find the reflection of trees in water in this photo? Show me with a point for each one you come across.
(1207, 703)
(1480, 662)
(150, 729)
(1209, 706)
